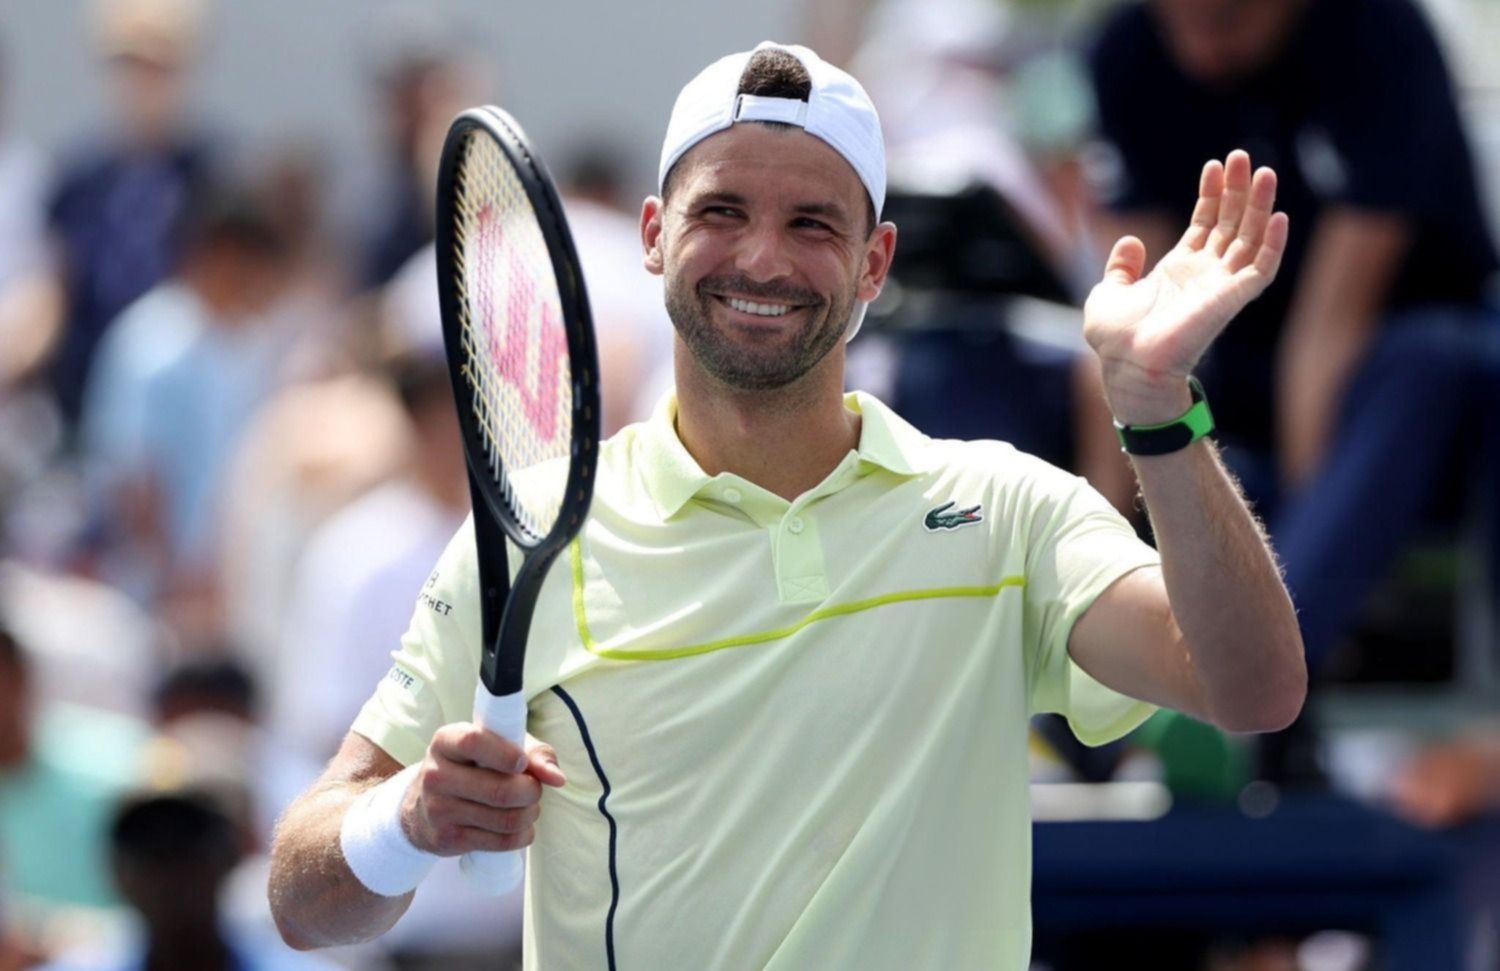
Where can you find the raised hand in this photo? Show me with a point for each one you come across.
(1150, 331)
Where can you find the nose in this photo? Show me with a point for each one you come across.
(762, 254)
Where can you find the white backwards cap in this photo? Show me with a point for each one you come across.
(837, 110)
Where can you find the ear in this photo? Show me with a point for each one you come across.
(651, 216)
(880, 249)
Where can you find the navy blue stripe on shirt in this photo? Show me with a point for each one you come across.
(614, 875)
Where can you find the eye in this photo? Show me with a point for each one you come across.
(808, 222)
(723, 212)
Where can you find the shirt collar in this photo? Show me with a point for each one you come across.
(673, 476)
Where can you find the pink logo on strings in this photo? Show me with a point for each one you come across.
(512, 350)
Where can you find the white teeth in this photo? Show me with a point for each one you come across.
(760, 309)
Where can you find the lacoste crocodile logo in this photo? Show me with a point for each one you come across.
(941, 518)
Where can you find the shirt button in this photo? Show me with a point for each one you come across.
(795, 525)
(732, 495)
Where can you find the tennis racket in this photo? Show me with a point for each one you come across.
(520, 349)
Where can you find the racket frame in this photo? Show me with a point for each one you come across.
(506, 607)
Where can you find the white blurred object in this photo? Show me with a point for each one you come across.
(1364, 763)
(352, 597)
(90, 644)
(1074, 801)
(1333, 951)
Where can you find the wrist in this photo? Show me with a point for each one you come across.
(1172, 435)
(1148, 401)
(375, 844)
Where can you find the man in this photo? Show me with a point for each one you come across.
(782, 683)
(179, 377)
(118, 211)
(1347, 387)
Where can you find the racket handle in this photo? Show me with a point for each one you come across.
(505, 715)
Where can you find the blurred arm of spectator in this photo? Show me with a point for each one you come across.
(1450, 782)
(1353, 257)
(31, 312)
(32, 300)
(1096, 445)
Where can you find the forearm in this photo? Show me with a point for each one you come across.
(1316, 364)
(1351, 260)
(1236, 621)
(315, 898)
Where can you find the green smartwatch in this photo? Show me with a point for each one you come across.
(1170, 436)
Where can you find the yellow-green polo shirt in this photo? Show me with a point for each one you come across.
(795, 733)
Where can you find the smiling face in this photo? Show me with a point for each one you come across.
(765, 247)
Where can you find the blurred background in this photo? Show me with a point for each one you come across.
(228, 457)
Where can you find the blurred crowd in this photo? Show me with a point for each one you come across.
(228, 454)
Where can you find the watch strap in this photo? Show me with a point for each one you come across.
(1169, 436)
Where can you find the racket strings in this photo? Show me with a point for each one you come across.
(515, 347)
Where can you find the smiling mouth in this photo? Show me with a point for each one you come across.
(756, 308)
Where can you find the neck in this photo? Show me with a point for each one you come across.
(785, 440)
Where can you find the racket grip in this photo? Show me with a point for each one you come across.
(505, 715)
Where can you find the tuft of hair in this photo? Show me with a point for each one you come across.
(775, 74)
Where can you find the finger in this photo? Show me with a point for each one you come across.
(471, 783)
(471, 839)
(544, 767)
(1253, 225)
(1232, 207)
(464, 742)
(474, 816)
(1126, 261)
(1272, 246)
(1206, 212)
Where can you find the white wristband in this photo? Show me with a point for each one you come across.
(376, 847)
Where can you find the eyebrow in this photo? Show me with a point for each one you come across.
(828, 210)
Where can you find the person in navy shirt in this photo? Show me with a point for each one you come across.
(1344, 392)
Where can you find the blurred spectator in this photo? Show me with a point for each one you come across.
(311, 450)
(180, 377)
(630, 323)
(422, 82)
(118, 210)
(293, 183)
(62, 769)
(355, 587)
(1343, 390)
(171, 855)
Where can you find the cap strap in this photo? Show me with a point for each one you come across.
(788, 111)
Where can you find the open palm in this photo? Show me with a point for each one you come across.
(1151, 330)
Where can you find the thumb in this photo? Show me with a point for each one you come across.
(1126, 261)
(544, 767)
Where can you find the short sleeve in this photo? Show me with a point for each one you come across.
(432, 680)
(1077, 547)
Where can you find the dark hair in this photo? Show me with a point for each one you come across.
(11, 652)
(777, 74)
(171, 828)
(231, 216)
(419, 378)
(210, 684)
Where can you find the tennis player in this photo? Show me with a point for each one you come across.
(782, 681)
